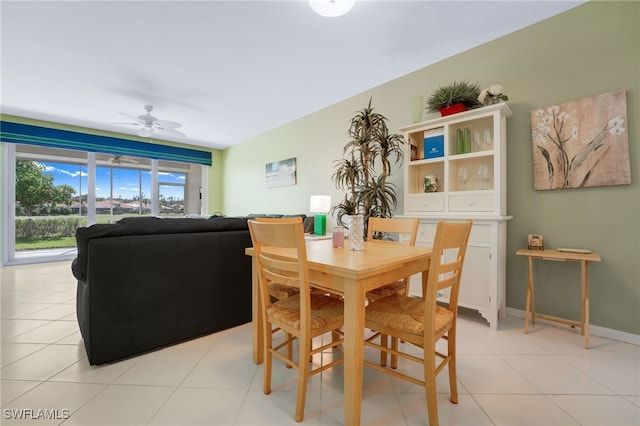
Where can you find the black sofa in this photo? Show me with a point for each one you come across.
(145, 283)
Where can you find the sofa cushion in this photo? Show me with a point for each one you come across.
(230, 223)
(146, 225)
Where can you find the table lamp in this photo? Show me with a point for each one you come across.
(320, 205)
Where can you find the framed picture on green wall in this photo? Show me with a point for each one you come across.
(281, 173)
(581, 143)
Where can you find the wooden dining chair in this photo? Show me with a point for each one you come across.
(301, 316)
(422, 322)
(379, 230)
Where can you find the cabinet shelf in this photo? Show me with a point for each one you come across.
(481, 169)
(425, 161)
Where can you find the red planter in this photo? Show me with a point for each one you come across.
(453, 109)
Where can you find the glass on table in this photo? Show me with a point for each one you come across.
(338, 236)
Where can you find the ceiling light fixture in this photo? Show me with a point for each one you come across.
(331, 8)
(146, 131)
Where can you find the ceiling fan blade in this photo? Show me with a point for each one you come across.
(132, 117)
(165, 124)
(128, 124)
(119, 159)
(172, 132)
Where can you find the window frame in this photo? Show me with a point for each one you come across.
(12, 152)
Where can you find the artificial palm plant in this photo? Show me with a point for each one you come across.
(362, 172)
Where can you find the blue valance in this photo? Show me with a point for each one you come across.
(66, 139)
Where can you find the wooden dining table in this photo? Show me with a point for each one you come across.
(352, 274)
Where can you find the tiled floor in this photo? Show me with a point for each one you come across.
(505, 377)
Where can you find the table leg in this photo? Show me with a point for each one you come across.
(585, 302)
(354, 299)
(530, 304)
(256, 313)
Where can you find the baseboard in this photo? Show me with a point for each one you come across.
(594, 330)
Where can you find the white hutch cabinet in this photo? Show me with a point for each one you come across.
(467, 153)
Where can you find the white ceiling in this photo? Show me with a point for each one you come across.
(227, 70)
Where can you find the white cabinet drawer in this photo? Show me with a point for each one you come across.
(479, 233)
(471, 203)
(425, 203)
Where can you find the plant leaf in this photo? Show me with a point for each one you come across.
(550, 168)
(589, 148)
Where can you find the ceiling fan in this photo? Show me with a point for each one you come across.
(150, 124)
(119, 159)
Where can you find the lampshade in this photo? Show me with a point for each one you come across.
(320, 204)
(331, 8)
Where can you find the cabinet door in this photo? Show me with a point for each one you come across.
(474, 288)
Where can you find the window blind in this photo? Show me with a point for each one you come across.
(57, 138)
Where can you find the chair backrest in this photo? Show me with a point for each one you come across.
(269, 237)
(400, 226)
(447, 259)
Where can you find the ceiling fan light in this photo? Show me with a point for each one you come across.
(145, 131)
(331, 8)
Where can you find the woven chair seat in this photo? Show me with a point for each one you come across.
(281, 291)
(396, 287)
(406, 314)
(325, 310)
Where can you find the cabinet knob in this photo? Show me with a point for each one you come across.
(469, 203)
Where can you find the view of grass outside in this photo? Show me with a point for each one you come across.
(40, 242)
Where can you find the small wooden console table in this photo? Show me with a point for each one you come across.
(584, 259)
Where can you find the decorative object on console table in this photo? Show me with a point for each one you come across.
(453, 98)
(536, 242)
(320, 205)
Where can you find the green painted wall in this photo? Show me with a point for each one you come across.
(591, 49)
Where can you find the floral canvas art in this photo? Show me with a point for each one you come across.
(581, 143)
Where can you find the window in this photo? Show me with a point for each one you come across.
(171, 193)
(83, 188)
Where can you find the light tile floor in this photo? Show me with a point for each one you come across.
(505, 377)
